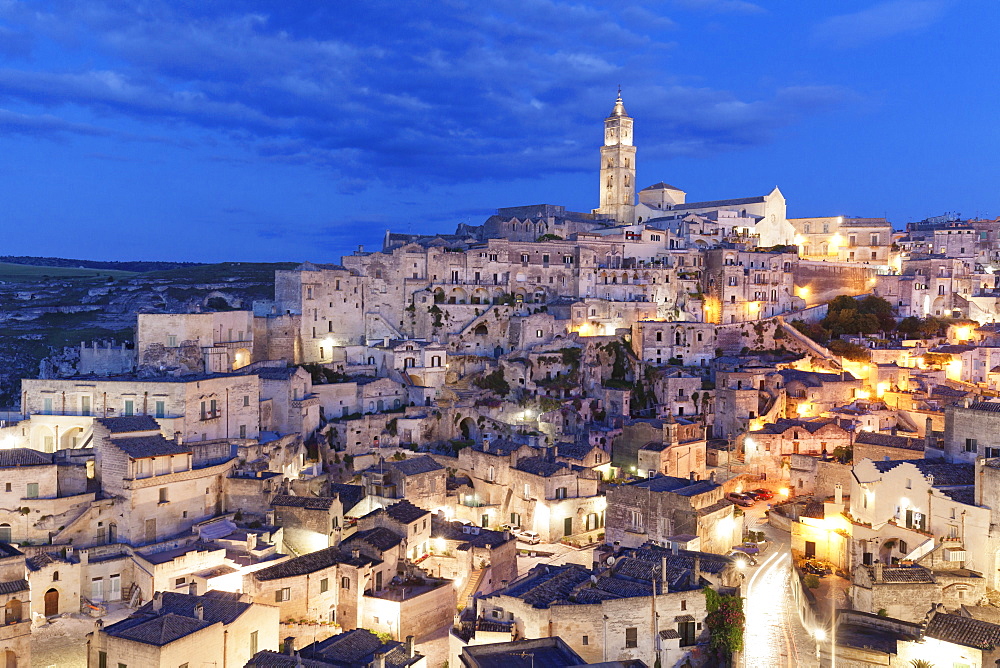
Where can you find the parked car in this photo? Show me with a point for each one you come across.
(761, 494)
(743, 557)
(509, 527)
(529, 537)
(749, 547)
(740, 499)
(816, 568)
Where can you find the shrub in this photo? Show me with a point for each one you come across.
(812, 581)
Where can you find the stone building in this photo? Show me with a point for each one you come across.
(768, 449)
(972, 430)
(154, 488)
(326, 585)
(420, 480)
(673, 447)
(463, 553)
(15, 598)
(359, 648)
(172, 629)
(907, 592)
(195, 342)
(606, 614)
(309, 523)
(667, 511)
(843, 239)
(207, 407)
(529, 488)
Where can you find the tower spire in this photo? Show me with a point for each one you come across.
(618, 166)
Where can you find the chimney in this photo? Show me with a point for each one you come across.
(838, 494)
(199, 611)
(410, 650)
(878, 571)
(379, 660)
(288, 645)
(157, 602)
(486, 443)
(193, 589)
(696, 572)
(356, 553)
(98, 624)
(179, 437)
(711, 476)
(691, 476)
(674, 548)
(663, 572)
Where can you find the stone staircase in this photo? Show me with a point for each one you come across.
(471, 587)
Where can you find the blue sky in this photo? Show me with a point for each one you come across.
(297, 130)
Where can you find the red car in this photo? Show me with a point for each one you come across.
(761, 494)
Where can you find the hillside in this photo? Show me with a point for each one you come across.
(127, 265)
(46, 308)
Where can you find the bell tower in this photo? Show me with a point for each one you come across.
(618, 166)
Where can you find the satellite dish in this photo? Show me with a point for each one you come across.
(610, 561)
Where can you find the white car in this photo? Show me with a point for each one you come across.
(529, 537)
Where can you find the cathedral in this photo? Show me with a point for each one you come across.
(763, 215)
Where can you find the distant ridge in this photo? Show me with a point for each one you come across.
(135, 265)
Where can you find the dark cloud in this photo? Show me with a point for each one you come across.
(378, 91)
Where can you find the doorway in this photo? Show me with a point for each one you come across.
(810, 549)
(51, 602)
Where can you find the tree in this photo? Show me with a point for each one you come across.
(725, 622)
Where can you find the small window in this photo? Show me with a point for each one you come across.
(282, 595)
(586, 640)
(324, 585)
(32, 491)
(345, 583)
(631, 637)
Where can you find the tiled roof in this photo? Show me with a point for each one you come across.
(577, 451)
(357, 649)
(216, 606)
(718, 203)
(416, 465)
(889, 440)
(535, 653)
(542, 467)
(141, 447)
(680, 486)
(350, 495)
(41, 560)
(991, 406)
(158, 630)
(953, 349)
(380, 538)
(501, 447)
(660, 186)
(8, 550)
(270, 659)
(945, 474)
(457, 531)
(902, 574)
(310, 563)
(405, 512)
(13, 586)
(11, 457)
(128, 424)
(307, 502)
(783, 425)
(963, 631)
(812, 378)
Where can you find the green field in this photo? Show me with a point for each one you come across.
(27, 272)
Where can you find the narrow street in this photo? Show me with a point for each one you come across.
(773, 637)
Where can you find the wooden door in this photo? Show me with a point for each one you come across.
(51, 602)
